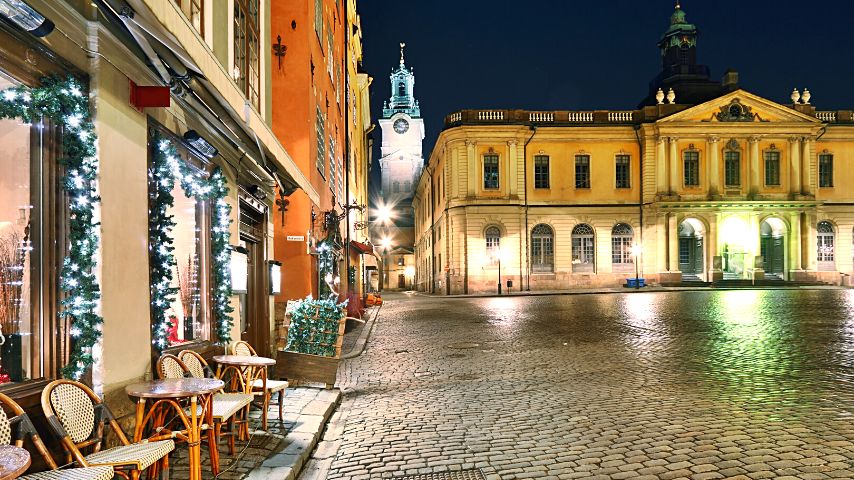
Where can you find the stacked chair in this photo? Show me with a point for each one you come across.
(79, 419)
(273, 386)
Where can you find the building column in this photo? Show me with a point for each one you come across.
(674, 166)
(712, 244)
(511, 167)
(753, 174)
(661, 166)
(672, 243)
(810, 243)
(714, 166)
(795, 165)
(843, 247)
(661, 243)
(808, 183)
(794, 243)
(472, 167)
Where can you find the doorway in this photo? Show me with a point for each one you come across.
(254, 318)
(772, 246)
(691, 258)
(401, 281)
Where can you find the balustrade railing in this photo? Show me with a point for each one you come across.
(490, 115)
(541, 117)
(826, 116)
(580, 117)
(620, 116)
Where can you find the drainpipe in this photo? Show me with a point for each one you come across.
(640, 193)
(525, 190)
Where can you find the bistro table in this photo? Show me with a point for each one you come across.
(164, 395)
(13, 461)
(246, 369)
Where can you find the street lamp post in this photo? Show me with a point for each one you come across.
(499, 271)
(636, 253)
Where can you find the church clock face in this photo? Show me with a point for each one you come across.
(401, 126)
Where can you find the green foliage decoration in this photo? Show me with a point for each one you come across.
(167, 168)
(314, 326)
(63, 101)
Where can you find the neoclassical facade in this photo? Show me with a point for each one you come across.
(721, 185)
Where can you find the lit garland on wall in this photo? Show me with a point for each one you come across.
(166, 168)
(63, 101)
(325, 267)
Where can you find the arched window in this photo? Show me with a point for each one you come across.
(542, 249)
(582, 248)
(493, 244)
(401, 89)
(622, 236)
(826, 245)
(395, 187)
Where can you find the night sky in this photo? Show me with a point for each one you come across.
(571, 55)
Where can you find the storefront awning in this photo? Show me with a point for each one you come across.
(362, 248)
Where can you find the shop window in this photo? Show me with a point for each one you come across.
(582, 248)
(247, 63)
(189, 312)
(542, 249)
(32, 219)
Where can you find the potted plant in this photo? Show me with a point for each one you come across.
(315, 335)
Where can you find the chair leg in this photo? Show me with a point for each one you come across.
(281, 404)
(134, 474)
(213, 449)
(267, 396)
(231, 428)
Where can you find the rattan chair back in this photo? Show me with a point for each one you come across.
(14, 430)
(170, 366)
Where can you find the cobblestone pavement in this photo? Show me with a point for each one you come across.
(699, 385)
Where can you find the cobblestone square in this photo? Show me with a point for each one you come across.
(742, 384)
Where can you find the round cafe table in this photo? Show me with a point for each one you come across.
(246, 369)
(164, 396)
(13, 461)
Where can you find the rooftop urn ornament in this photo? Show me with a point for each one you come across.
(671, 96)
(795, 95)
(659, 96)
(806, 96)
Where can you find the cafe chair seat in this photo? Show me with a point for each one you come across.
(138, 456)
(89, 473)
(225, 405)
(273, 386)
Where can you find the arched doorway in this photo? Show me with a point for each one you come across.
(691, 258)
(772, 246)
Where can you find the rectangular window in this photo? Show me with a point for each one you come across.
(329, 50)
(732, 168)
(772, 168)
(825, 170)
(333, 184)
(541, 171)
(691, 168)
(194, 11)
(490, 172)
(582, 171)
(189, 312)
(321, 143)
(318, 20)
(623, 165)
(247, 66)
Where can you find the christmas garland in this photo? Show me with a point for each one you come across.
(62, 100)
(166, 168)
(314, 326)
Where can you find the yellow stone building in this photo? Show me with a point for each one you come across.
(704, 181)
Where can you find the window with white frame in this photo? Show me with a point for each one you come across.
(247, 59)
(319, 130)
(622, 237)
(622, 171)
(826, 244)
(542, 249)
(583, 247)
(493, 244)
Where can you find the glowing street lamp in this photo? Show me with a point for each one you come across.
(383, 214)
(385, 243)
(636, 251)
(496, 255)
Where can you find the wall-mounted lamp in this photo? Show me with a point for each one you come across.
(26, 17)
(275, 277)
(200, 144)
(279, 50)
(239, 269)
(257, 192)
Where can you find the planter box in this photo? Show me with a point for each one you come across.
(307, 368)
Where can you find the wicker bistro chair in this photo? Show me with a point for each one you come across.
(272, 387)
(77, 416)
(226, 406)
(18, 428)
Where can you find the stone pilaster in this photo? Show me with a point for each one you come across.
(714, 166)
(673, 160)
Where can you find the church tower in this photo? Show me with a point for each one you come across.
(402, 127)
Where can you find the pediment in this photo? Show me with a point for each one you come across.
(742, 107)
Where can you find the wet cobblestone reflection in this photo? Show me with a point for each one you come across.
(701, 385)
